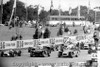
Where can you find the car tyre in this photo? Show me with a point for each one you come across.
(70, 54)
(59, 54)
(19, 53)
(31, 55)
(77, 54)
(44, 54)
(2, 54)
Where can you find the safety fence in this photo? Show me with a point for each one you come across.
(18, 44)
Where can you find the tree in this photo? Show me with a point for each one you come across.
(7, 9)
(20, 10)
(32, 13)
(43, 17)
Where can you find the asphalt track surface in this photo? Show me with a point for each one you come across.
(26, 61)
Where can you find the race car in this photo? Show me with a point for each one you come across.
(40, 51)
(91, 63)
(70, 51)
(86, 46)
(31, 48)
(92, 49)
(94, 57)
(10, 53)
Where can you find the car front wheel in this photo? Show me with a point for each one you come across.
(71, 54)
(31, 55)
(59, 54)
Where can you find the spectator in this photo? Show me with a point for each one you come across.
(14, 37)
(20, 37)
(81, 45)
(75, 31)
(77, 45)
(95, 38)
(73, 24)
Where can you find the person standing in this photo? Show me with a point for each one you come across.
(96, 39)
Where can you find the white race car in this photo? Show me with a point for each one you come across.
(70, 51)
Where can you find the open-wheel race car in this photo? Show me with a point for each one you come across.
(10, 53)
(92, 49)
(43, 51)
(69, 50)
(91, 63)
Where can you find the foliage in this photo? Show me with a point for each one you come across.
(43, 17)
(31, 12)
(35, 36)
(46, 33)
(60, 31)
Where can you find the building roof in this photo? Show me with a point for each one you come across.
(66, 16)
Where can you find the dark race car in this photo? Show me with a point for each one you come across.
(40, 51)
(10, 53)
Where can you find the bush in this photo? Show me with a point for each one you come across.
(35, 36)
(66, 29)
(75, 31)
(60, 32)
(46, 33)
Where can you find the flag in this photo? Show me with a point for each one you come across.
(1, 12)
(78, 11)
(88, 7)
(51, 7)
(26, 6)
(59, 10)
(14, 6)
(70, 10)
(40, 8)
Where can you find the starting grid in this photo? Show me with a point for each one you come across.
(19, 44)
